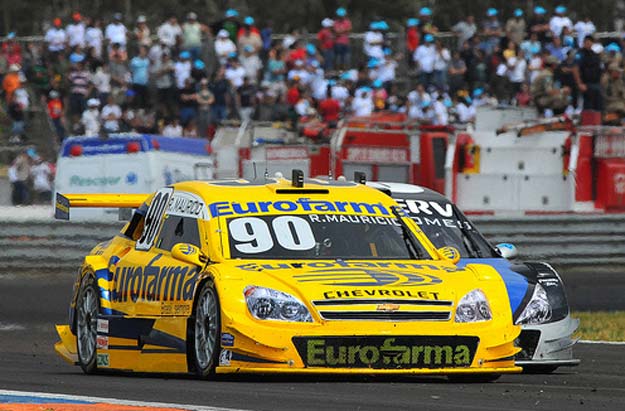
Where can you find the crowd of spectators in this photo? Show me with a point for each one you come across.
(184, 78)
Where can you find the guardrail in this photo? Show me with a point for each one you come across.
(570, 242)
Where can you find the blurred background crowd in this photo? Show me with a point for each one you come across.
(185, 75)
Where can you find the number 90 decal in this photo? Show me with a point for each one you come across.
(154, 218)
(252, 235)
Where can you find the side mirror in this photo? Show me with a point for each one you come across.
(450, 254)
(507, 250)
(189, 254)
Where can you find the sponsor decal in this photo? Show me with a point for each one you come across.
(154, 218)
(225, 357)
(102, 326)
(224, 208)
(387, 308)
(132, 178)
(102, 342)
(169, 308)
(286, 153)
(227, 340)
(431, 213)
(367, 278)
(154, 283)
(79, 181)
(102, 360)
(186, 205)
(354, 219)
(619, 183)
(373, 292)
(387, 352)
(340, 264)
(188, 249)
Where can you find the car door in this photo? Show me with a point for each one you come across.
(147, 280)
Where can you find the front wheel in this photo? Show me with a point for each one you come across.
(205, 332)
(87, 308)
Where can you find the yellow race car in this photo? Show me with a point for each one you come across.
(280, 275)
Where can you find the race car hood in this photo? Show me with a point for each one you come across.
(399, 280)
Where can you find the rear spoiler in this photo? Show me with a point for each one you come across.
(64, 202)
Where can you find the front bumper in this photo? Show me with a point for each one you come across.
(257, 347)
(548, 344)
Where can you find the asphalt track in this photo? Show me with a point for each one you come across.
(31, 305)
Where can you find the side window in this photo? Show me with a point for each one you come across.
(134, 229)
(178, 229)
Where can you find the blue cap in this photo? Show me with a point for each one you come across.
(232, 55)
(568, 41)
(428, 38)
(346, 75)
(560, 9)
(612, 47)
(478, 92)
(232, 13)
(341, 12)
(447, 102)
(539, 10)
(425, 11)
(425, 104)
(383, 25)
(331, 82)
(249, 20)
(248, 48)
(311, 49)
(31, 152)
(11, 35)
(468, 99)
(412, 22)
(185, 55)
(377, 84)
(491, 12)
(373, 63)
(374, 25)
(314, 64)
(366, 89)
(199, 64)
(76, 58)
(518, 12)
(387, 51)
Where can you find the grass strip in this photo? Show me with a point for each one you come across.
(600, 325)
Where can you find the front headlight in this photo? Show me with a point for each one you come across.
(268, 304)
(473, 307)
(538, 310)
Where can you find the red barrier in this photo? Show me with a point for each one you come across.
(611, 184)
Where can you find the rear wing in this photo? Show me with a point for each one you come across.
(64, 202)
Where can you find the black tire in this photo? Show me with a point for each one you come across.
(87, 309)
(205, 332)
(473, 378)
(539, 369)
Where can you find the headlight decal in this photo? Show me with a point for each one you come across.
(268, 304)
(473, 307)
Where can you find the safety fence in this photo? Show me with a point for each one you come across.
(569, 242)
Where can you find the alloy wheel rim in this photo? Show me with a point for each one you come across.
(205, 329)
(87, 325)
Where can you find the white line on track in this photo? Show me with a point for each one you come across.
(602, 342)
(43, 395)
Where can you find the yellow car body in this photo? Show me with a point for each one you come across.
(366, 315)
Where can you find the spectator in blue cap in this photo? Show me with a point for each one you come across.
(374, 41)
(424, 58)
(342, 48)
(539, 24)
(231, 24)
(413, 37)
(249, 35)
(491, 31)
(425, 15)
(559, 21)
(516, 27)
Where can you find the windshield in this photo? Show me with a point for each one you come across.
(446, 226)
(320, 236)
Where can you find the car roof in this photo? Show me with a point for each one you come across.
(412, 191)
(269, 188)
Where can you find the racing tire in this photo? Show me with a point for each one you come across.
(87, 309)
(473, 378)
(205, 332)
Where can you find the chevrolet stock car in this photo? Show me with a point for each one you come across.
(278, 275)
(536, 291)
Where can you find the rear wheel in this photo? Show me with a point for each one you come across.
(205, 331)
(473, 378)
(87, 308)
